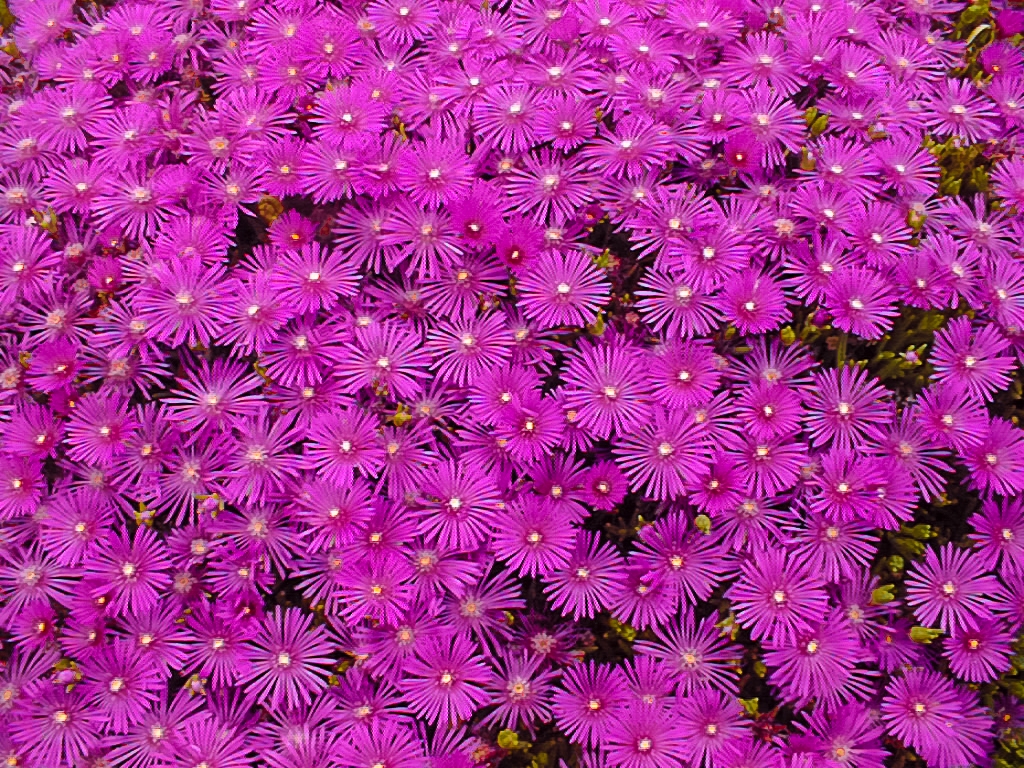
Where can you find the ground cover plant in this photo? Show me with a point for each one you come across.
(427, 383)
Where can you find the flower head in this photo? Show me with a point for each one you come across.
(942, 722)
(951, 588)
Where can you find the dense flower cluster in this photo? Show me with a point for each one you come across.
(415, 382)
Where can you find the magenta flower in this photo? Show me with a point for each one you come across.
(684, 559)
(942, 722)
(999, 530)
(99, 430)
(435, 174)
(390, 744)
(957, 110)
(343, 443)
(860, 302)
(54, 365)
(27, 262)
(563, 289)
(290, 660)
(951, 589)
(981, 654)
(948, 415)
(663, 457)
(605, 486)
(464, 351)
(776, 596)
(644, 600)
(646, 739)
(550, 187)
(708, 722)
(996, 464)
(312, 278)
(685, 374)
(21, 485)
(753, 302)
(847, 734)
(214, 397)
(183, 303)
(521, 689)
(211, 740)
(131, 572)
(821, 664)
(458, 505)
(57, 727)
(837, 550)
(588, 580)
(534, 539)
(379, 379)
(121, 684)
(592, 698)
(218, 650)
(675, 305)
(696, 654)
(972, 361)
(844, 405)
(605, 391)
(445, 683)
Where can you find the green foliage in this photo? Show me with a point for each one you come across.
(976, 27)
(623, 630)
(909, 541)
(884, 594)
(963, 169)
(510, 740)
(6, 17)
(1010, 754)
(269, 208)
(924, 635)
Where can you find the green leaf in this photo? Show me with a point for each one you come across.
(931, 321)
(973, 15)
(1015, 688)
(950, 187)
(884, 594)
(6, 17)
(924, 635)
(269, 208)
(622, 629)
(979, 178)
(920, 532)
(908, 547)
(749, 706)
(915, 220)
(703, 523)
(508, 740)
(819, 126)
